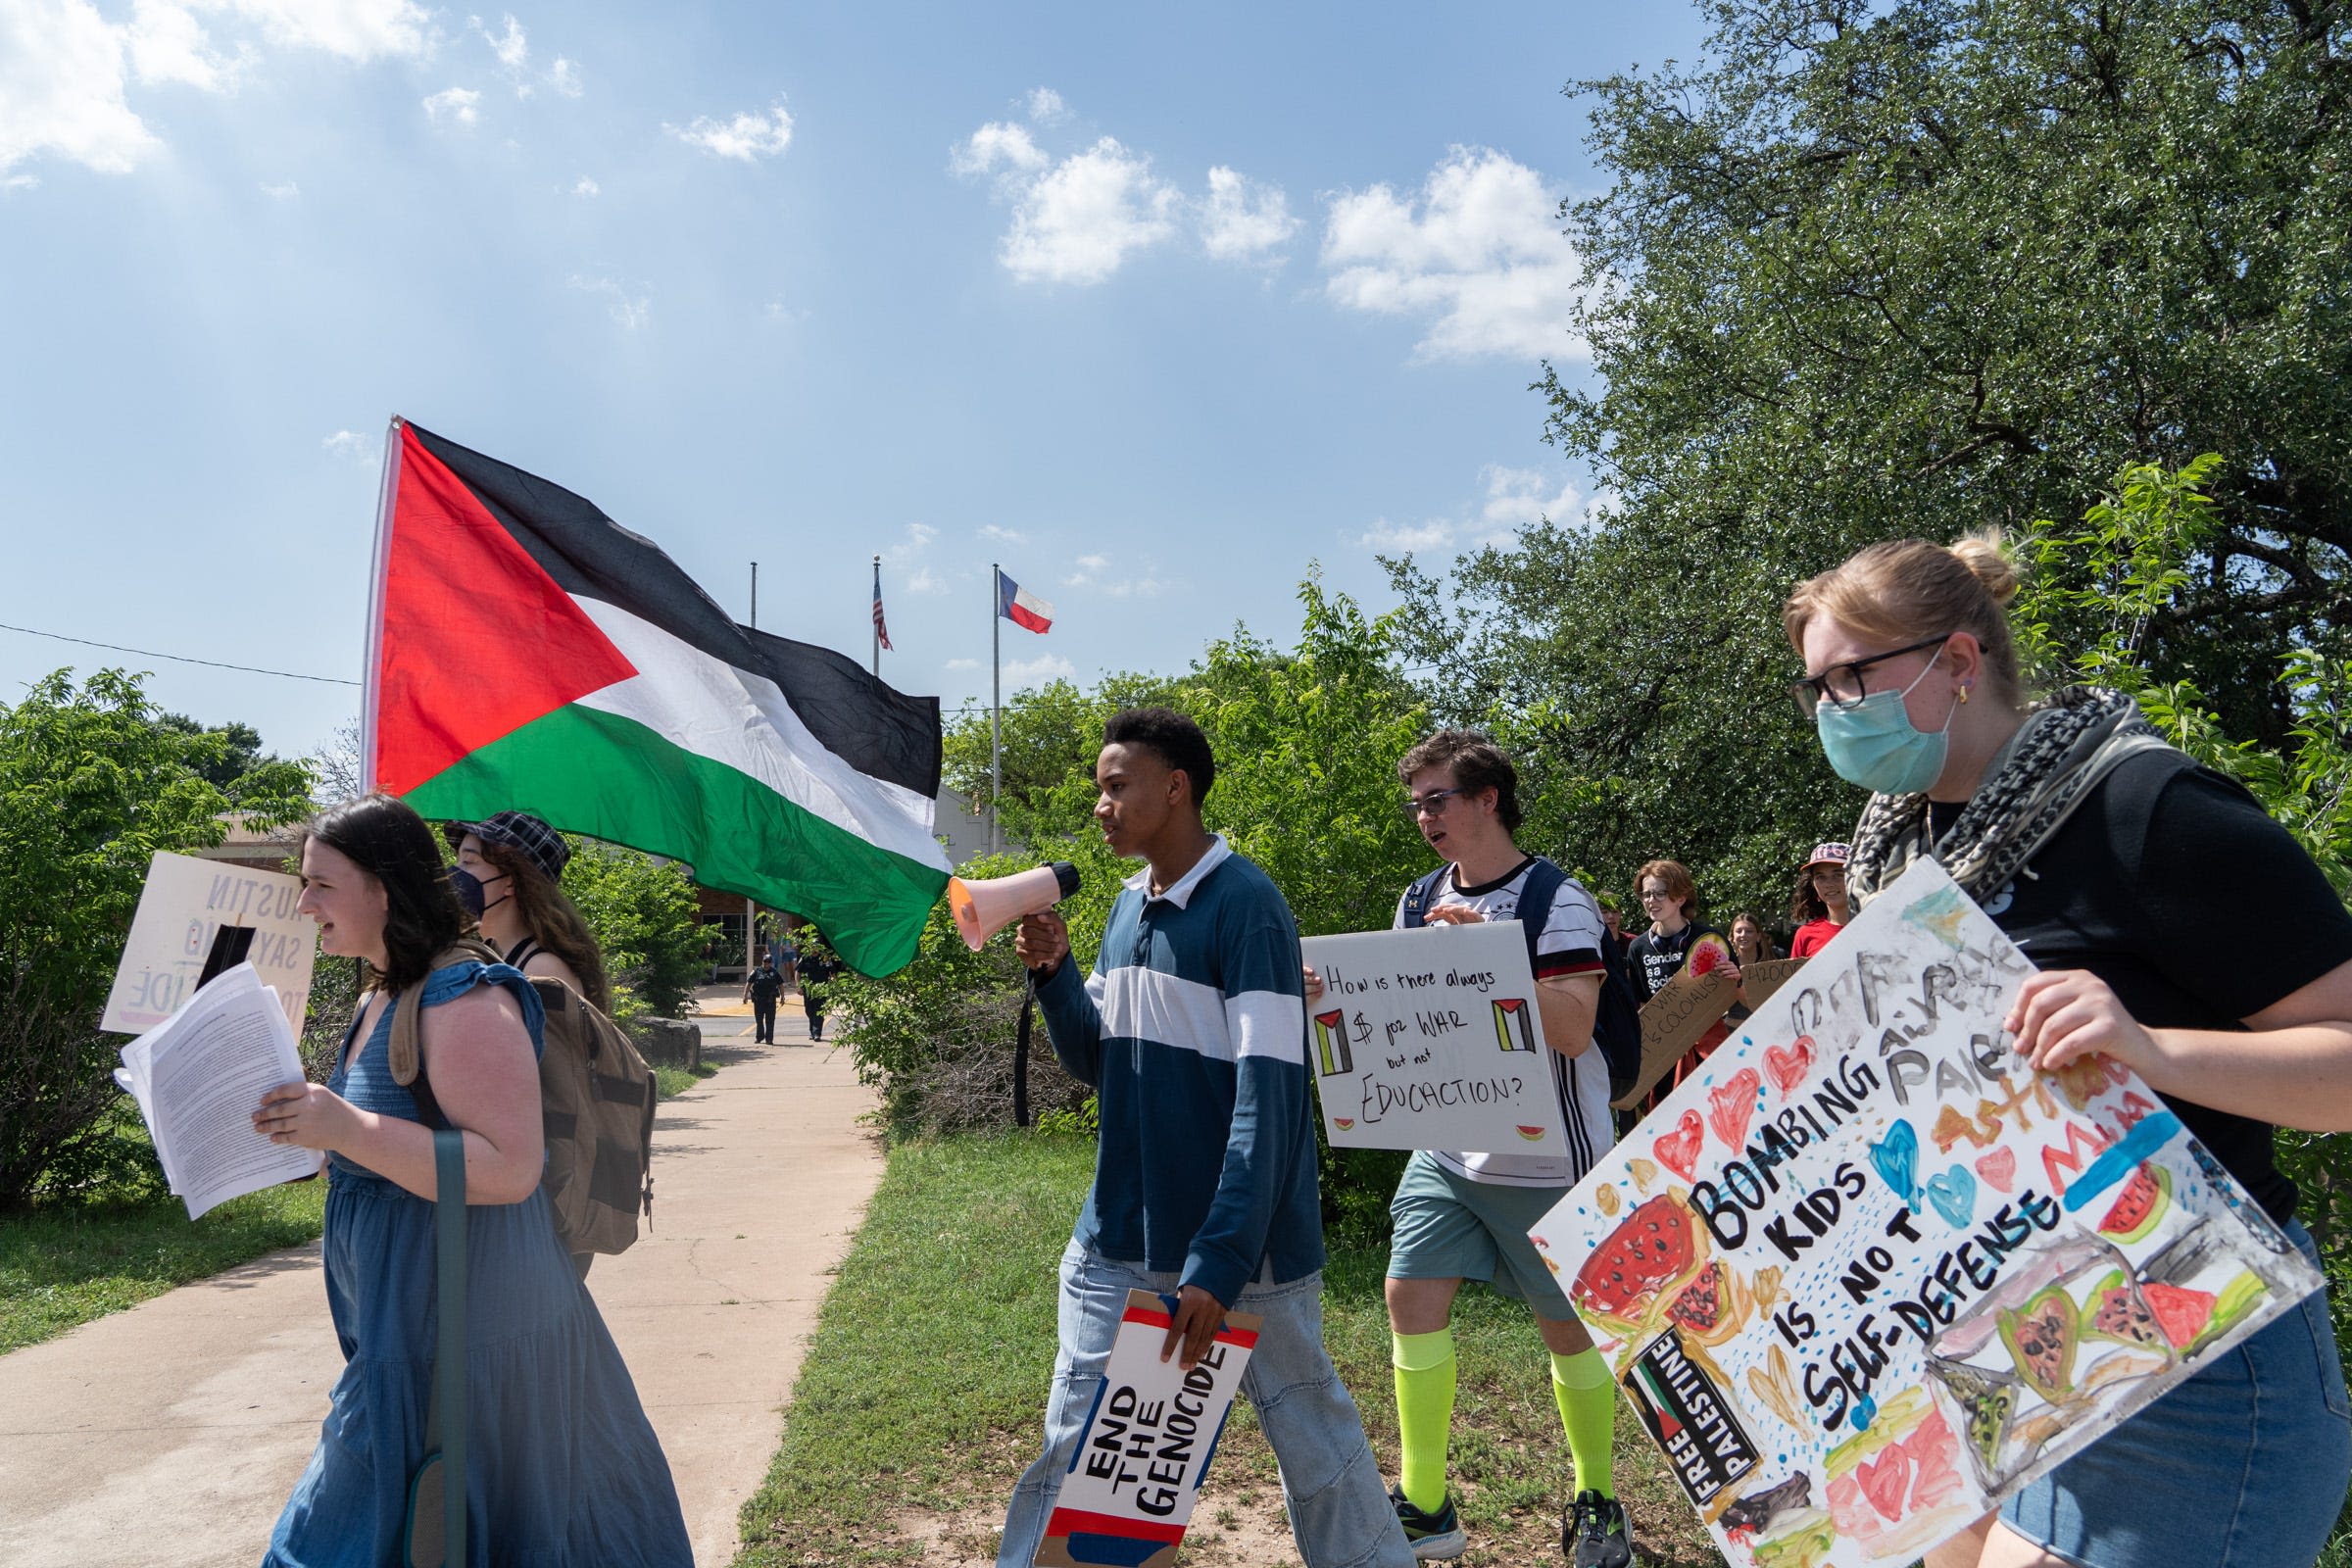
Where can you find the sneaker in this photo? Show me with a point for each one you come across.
(1594, 1533)
(1433, 1536)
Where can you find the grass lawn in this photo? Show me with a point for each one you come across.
(923, 1393)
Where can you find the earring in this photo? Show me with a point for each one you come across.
(1964, 696)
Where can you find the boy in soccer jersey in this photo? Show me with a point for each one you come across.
(1465, 1215)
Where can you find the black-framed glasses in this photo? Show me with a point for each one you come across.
(1433, 803)
(1841, 685)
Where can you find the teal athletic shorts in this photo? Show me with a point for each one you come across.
(1450, 1227)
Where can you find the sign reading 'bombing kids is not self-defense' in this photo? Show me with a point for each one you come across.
(1864, 1274)
(1429, 1038)
(1138, 1467)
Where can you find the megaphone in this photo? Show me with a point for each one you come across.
(986, 907)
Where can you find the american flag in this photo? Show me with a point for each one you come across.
(881, 629)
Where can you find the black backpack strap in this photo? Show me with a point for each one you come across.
(1536, 895)
(1417, 898)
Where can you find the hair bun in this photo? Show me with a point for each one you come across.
(1983, 552)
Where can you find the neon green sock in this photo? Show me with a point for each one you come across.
(1424, 1366)
(1579, 1385)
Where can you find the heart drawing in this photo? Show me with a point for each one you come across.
(1789, 1067)
(1731, 1103)
(1679, 1148)
(1954, 1195)
(1896, 1157)
(1998, 1167)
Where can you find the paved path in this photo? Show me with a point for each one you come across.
(170, 1434)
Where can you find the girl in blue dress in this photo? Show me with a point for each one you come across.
(565, 1468)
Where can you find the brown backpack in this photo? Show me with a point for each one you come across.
(596, 1096)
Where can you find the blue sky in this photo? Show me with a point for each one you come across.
(1154, 306)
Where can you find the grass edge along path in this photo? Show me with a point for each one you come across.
(923, 1391)
(65, 1265)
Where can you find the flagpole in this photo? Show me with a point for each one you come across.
(877, 617)
(755, 596)
(751, 913)
(996, 701)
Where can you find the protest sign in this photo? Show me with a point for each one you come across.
(1865, 1274)
(1138, 1467)
(1765, 976)
(183, 907)
(1685, 1008)
(1430, 1038)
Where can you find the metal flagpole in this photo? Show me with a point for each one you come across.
(877, 616)
(755, 596)
(750, 915)
(995, 703)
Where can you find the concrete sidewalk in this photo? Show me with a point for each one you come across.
(172, 1433)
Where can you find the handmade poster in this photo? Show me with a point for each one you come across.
(1685, 1008)
(185, 905)
(1430, 1038)
(1140, 1462)
(1766, 976)
(1864, 1274)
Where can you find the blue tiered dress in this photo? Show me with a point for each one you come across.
(565, 1471)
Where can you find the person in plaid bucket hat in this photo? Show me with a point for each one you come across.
(1819, 905)
(506, 876)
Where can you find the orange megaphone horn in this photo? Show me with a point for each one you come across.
(987, 906)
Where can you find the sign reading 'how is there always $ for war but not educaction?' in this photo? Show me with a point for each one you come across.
(1430, 1038)
(1864, 1274)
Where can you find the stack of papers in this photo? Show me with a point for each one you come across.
(200, 1075)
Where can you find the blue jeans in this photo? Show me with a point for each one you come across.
(2241, 1466)
(1339, 1512)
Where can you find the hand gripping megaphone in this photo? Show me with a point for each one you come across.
(987, 906)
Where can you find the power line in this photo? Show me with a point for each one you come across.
(143, 653)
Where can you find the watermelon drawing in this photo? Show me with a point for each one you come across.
(1986, 1399)
(2141, 1206)
(1534, 1135)
(2115, 1311)
(2180, 1311)
(2041, 1336)
(1657, 1243)
(1704, 1308)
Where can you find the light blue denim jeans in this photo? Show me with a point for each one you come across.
(1339, 1512)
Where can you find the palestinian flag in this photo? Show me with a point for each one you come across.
(529, 653)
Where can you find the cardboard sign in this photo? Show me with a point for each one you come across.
(1431, 1039)
(185, 903)
(1864, 1275)
(1138, 1467)
(1766, 976)
(1685, 1008)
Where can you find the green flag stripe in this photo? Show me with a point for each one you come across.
(614, 779)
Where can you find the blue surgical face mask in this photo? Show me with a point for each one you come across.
(471, 891)
(1875, 744)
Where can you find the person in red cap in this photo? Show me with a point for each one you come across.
(1819, 905)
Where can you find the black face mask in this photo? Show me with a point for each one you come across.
(470, 890)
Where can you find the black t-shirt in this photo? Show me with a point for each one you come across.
(1653, 958)
(2133, 889)
(766, 982)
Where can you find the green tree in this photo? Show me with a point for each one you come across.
(643, 911)
(238, 752)
(1870, 270)
(91, 785)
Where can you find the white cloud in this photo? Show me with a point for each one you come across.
(1023, 672)
(357, 29)
(285, 192)
(628, 311)
(1480, 255)
(1046, 107)
(1400, 538)
(20, 182)
(747, 138)
(587, 188)
(1242, 220)
(455, 105)
(1081, 220)
(1095, 576)
(911, 572)
(564, 76)
(512, 47)
(169, 44)
(961, 663)
(998, 142)
(1003, 536)
(1516, 499)
(61, 88)
(351, 444)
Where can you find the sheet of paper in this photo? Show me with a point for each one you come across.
(1431, 1039)
(185, 903)
(1864, 1275)
(1139, 1464)
(198, 1076)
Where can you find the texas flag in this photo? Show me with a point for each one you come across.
(1019, 606)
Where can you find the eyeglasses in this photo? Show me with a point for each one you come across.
(1655, 896)
(1433, 803)
(1841, 685)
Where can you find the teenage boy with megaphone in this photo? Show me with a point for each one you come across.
(1193, 1031)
